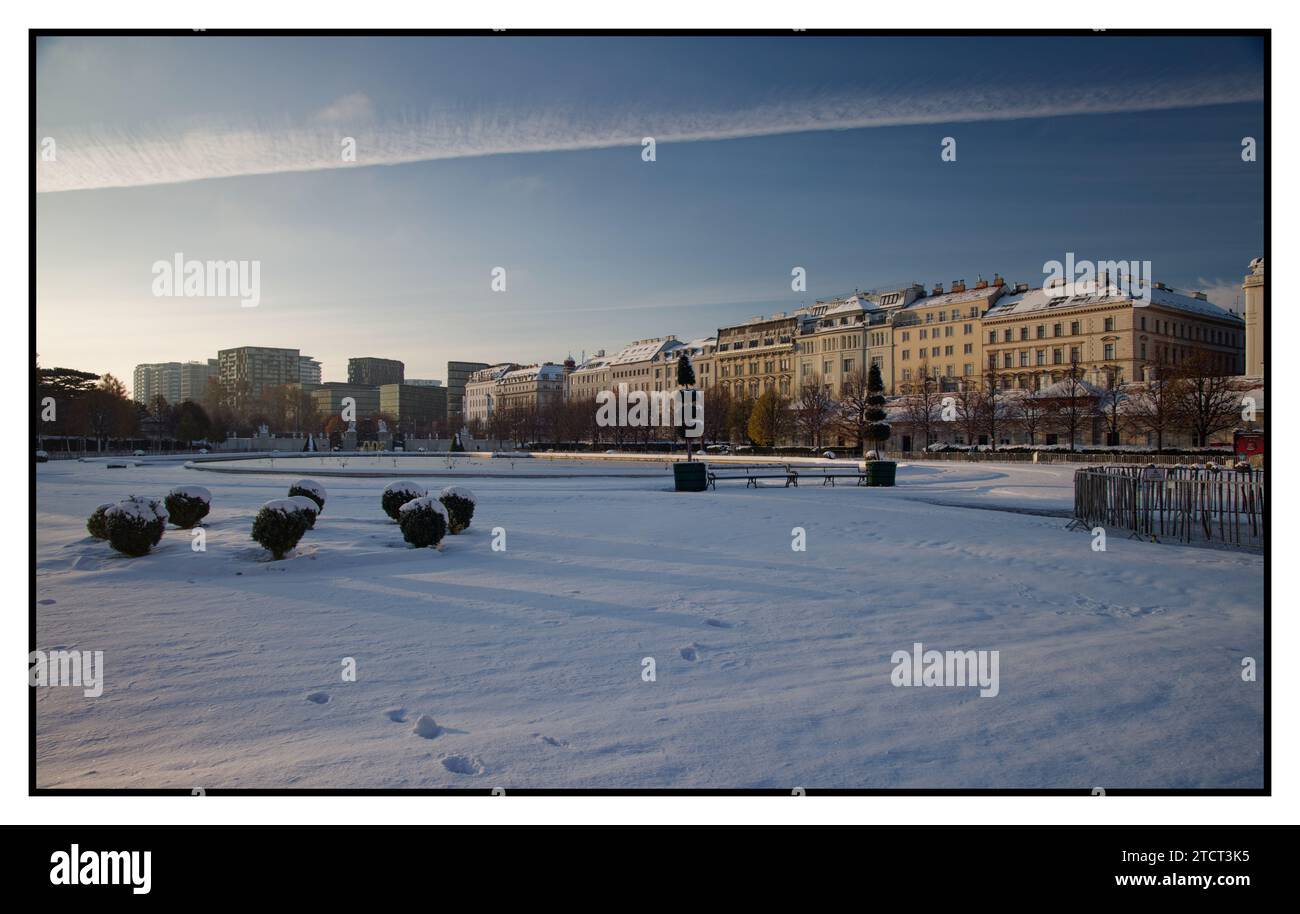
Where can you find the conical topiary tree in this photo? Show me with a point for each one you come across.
(878, 430)
(686, 383)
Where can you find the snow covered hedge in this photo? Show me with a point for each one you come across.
(398, 494)
(309, 507)
(311, 489)
(423, 521)
(97, 524)
(187, 505)
(279, 524)
(135, 525)
(459, 503)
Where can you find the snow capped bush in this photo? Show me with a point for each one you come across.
(423, 521)
(308, 505)
(97, 524)
(187, 505)
(279, 524)
(399, 493)
(311, 489)
(135, 525)
(459, 503)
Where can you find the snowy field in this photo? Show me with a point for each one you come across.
(773, 667)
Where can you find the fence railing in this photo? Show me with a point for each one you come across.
(1188, 504)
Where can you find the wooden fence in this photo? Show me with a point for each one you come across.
(1188, 504)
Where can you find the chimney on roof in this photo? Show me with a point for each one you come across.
(998, 281)
(938, 289)
(958, 285)
(981, 282)
(1200, 296)
(1022, 287)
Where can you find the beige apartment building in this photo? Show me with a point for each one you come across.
(1033, 337)
(480, 392)
(758, 355)
(937, 337)
(531, 386)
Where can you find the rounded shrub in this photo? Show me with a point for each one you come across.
(309, 507)
(423, 521)
(135, 525)
(459, 503)
(187, 505)
(279, 524)
(97, 524)
(399, 493)
(311, 489)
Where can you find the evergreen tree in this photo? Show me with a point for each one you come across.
(686, 383)
(878, 430)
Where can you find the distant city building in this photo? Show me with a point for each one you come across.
(246, 371)
(156, 379)
(457, 375)
(175, 382)
(531, 387)
(330, 395)
(195, 377)
(1253, 287)
(374, 371)
(416, 407)
(422, 382)
(308, 370)
(481, 397)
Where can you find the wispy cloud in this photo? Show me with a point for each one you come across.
(104, 157)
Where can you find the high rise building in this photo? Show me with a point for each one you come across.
(308, 370)
(246, 371)
(373, 371)
(457, 375)
(330, 395)
(195, 377)
(156, 379)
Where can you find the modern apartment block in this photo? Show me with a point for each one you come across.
(330, 395)
(156, 379)
(416, 407)
(309, 370)
(372, 371)
(457, 376)
(246, 371)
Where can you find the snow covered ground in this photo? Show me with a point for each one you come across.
(223, 668)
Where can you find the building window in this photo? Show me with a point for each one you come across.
(1108, 352)
(1074, 328)
(1108, 324)
(1056, 329)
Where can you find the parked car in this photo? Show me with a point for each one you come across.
(137, 453)
(42, 457)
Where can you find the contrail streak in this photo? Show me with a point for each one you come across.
(104, 157)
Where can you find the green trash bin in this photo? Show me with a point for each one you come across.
(881, 472)
(691, 476)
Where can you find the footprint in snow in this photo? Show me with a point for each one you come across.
(462, 764)
(551, 741)
(319, 697)
(690, 653)
(717, 623)
(397, 715)
(46, 602)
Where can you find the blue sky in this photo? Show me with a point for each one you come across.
(525, 153)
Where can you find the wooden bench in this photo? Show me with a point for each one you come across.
(752, 476)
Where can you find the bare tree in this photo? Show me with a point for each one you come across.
(1153, 408)
(921, 407)
(1071, 403)
(851, 414)
(814, 411)
(1206, 401)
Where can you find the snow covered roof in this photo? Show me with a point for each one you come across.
(643, 350)
(956, 298)
(548, 372)
(1094, 293)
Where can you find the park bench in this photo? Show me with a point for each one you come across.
(829, 475)
(752, 475)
